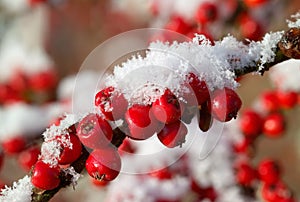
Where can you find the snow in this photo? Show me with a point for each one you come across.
(19, 192)
(14, 119)
(286, 75)
(165, 65)
(75, 176)
(268, 47)
(14, 6)
(295, 22)
(22, 47)
(55, 137)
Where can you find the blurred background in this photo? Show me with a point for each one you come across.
(43, 44)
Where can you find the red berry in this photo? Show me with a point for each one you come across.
(199, 88)
(126, 147)
(104, 164)
(269, 171)
(225, 104)
(206, 12)
(43, 81)
(94, 132)
(251, 123)
(250, 28)
(167, 200)
(205, 120)
(1, 158)
(14, 145)
(18, 82)
(173, 135)
(99, 183)
(245, 174)
(178, 24)
(35, 2)
(287, 99)
(45, 177)
(162, 174)
(69, 155)
(274, 125)
(244, 146)
(276, 192)
(269, 101)
(29, 157)
(255, 3)
(141, 122)
(166, 109)
(210, 193)
(112, 104)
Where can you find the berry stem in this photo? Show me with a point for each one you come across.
(78, 165)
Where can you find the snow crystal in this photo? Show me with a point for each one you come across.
(19, 192)
(295, 22)
(268, 47)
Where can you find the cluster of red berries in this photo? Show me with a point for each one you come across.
(198, 192)
(46, 176)
(27, 154)
(28, 88)
(272, 124)
(208, 12)
(268, 172)
(167, 114)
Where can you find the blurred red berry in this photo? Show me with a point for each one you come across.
(178, 24)
(43, 81)
(14, 145)
(245, 174)
(276, 192)
(269, 171)
(251, 123)
(162, 174)
(287, 99)
(274, 125)
(250, 28)
(29, 157)
(207, 12)
(255, 3)
(269, 101)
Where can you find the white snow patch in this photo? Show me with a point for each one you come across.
(19, 192)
